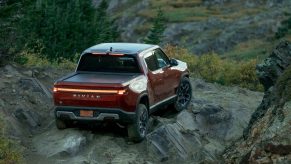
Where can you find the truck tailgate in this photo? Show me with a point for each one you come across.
(91, 90)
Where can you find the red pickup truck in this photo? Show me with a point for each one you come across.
(123, 82)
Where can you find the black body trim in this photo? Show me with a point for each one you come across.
(164, 102)
(65, 113)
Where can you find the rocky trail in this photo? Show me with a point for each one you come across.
(216, 118)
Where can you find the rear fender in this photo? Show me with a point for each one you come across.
(143, 97)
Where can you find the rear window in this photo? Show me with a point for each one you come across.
(108, 63)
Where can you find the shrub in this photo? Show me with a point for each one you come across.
(8, 153)
(214, 69)
(210, 67)
(30, 59)
(247, 77)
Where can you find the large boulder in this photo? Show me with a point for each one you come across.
(268, 73)
(272, 67)
(180, 142)
(60, 143)
(267, 136)
(194, 136)
(169, 141)
(27, 117)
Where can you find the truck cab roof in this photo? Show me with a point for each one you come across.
(125, 48)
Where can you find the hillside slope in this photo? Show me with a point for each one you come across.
(237, 29)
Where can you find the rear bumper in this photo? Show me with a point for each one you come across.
(100, 114)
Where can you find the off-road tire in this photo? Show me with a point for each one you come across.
(61, 124)
(138, 130)
(184, 94)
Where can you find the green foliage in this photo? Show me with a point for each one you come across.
(155, 35)
(8, 153)
(284, 28)
(243, 74)
(251, 49)
(209, 67)
(29, 59)
(106, 27)
(214, 69)
(57, 29)
(10, 11)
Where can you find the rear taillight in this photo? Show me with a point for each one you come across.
(119, 92)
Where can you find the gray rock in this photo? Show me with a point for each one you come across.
(186, 120)
(2, 103)
(173, 143)
(168, 142)
(196, 105)
(214, 147)
(75, 160)
(201, 84)
(184, 141)
(27, 117)
(124, 157)
(274, 65)
(267, 3)
(268, 73)
(72, 144)
(130, 20)
(2, 85)
(11, 70)
(214, 113)
(214, 2)
(28, 73)
(56, 143)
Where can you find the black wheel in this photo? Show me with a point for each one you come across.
(61, 124)
(184, 94)
(138, 130)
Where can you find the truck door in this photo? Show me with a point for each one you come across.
(170, 77)
(155, 75)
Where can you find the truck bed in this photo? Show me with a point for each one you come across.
(99, 78)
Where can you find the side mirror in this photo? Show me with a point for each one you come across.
(173, 62)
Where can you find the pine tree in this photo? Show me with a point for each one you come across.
(284, 28)
(155, 34)
(10, 11)
(107, 31)
(57, 29)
